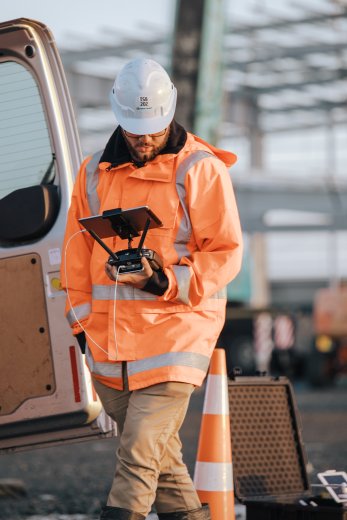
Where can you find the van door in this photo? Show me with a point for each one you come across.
(46, 395)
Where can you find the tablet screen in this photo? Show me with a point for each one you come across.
(124, 223)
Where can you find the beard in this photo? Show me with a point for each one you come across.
(143, 152)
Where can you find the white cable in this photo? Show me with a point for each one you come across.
(71, 306)
(114, 312)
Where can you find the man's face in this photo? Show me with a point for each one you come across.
(144, 148)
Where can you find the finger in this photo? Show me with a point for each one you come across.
(147, 270)
(109, 269)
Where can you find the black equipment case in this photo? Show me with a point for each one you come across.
(269, 460)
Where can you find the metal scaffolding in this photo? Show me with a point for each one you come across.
(282, 72)
(291, 69)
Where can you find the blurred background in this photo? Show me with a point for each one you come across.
(267, 80)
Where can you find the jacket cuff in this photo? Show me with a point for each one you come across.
(157, 284)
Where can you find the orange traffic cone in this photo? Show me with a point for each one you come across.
(213, 477)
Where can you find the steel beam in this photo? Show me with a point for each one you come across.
(323, 18)
(314, 77)
(277, 52)
(256, 199)
(125, 49)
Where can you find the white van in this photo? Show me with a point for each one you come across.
(46, 395)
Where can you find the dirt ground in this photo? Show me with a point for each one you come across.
(75, 479)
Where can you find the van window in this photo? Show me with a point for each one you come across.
(29, 201)
(25, 149)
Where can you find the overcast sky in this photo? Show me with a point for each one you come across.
(72, 20)
(94, 19)
(88, 19)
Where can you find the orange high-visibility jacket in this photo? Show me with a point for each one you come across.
(162, 338)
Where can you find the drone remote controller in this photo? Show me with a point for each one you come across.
(126, 224)
(129, 260)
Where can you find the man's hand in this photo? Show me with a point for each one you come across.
(138, 279)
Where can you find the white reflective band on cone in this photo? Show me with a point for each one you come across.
(216, 396)
(213, 476)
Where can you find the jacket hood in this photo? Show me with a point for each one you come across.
(228, 158)
(117, 153)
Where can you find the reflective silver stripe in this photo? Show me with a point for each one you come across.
(185, 230)
(111, 369)
(124, 292)
(92, 180)
(183, 277)
(187, 359)
(78, 313)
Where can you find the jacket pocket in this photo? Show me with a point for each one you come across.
(165, 207)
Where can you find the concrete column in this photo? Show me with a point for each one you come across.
(260, 282)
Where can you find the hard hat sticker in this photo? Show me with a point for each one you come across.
(144, 103)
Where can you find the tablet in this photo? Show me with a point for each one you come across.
(126, 223)
(335, 483)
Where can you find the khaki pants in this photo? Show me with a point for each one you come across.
(149, 465)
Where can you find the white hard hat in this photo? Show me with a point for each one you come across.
(143, 98)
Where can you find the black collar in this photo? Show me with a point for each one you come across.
(116, 151)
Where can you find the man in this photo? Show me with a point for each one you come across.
(150, 334)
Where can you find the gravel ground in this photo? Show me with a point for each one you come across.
(71, 482)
